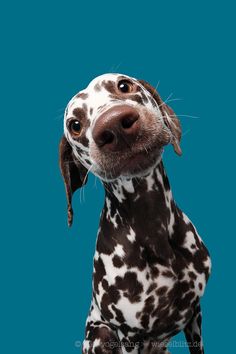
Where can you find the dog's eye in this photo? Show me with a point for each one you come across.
(125, 86)
(75, 127)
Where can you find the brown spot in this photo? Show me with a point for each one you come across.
(135, 98)
(184, 286)
(109, 86)
(104, 307)
(99, 273)
(168, 274)
(82, 95)
(130, 285)
(117, 261)
(79, 113)
(154, 272)
(114, 294)
(145, 320)
(191, 284)
(85, 107)
(162, 290)
(105, 284)
(97, 87)
(192, 275)
(185, 301)
(149, 305)
(119, 315)
(151, 288)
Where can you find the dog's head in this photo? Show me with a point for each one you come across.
(116, 127)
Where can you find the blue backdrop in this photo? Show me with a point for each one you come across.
(53, 49)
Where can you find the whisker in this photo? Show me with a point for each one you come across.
(82, 189)
(87, 175)
(117, 66)
(80, 199)
(186, 132)
(167, 99)
(180, 115)
(188, 116)
(105, 187)
(170, 132)
(95, 182)
(156, 87)
(83, 194)
(174, 99)
(114, 68)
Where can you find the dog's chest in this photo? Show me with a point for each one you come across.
(147, 298)
(150, 265)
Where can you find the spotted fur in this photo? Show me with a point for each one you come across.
(150, 265)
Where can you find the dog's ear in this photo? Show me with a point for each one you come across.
(169, 117)
(73, 172)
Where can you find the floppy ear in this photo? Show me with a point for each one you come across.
(73, 172)
(170, 119)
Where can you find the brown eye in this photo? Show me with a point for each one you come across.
(75, 127)
(125, 86)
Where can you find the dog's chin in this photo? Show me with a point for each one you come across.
(138, 164)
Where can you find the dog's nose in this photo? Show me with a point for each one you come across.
(117, 128)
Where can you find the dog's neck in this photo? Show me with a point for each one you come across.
(143, 208)
(149, 196)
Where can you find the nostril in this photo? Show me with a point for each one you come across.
(107, 137)
(127, 122)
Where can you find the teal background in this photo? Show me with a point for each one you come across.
(51, 50)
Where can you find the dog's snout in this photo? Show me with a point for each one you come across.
(117, 128)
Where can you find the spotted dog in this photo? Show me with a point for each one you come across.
(150, 265)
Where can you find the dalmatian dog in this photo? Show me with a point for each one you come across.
(150, 265)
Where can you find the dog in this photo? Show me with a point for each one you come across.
(150, 265)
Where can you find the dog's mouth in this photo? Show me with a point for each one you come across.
(131, 164)
(139, 162)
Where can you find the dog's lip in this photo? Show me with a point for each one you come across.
(138, 159)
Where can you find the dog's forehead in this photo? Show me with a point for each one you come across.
(95, 95)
